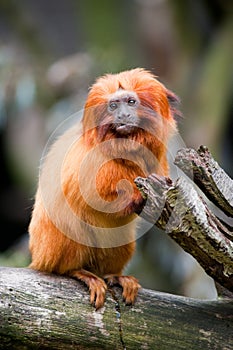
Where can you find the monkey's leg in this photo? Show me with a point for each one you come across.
(97, 286)
(129, 284)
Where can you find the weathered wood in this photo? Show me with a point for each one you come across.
(182, 213)
(42, 311)
(178, 209)
(208, 175)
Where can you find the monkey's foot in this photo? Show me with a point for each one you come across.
(97, 286)
(129, 284)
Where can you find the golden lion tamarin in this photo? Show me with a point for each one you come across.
(82, 225)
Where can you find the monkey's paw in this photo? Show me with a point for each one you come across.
(135, 206)
(97, 286)
(129, 284)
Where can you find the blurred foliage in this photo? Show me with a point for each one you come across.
(50, 53)
(206, 35)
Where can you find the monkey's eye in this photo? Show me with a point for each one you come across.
(113, 105)
(131, 101)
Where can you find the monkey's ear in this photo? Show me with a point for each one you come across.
(174, 102)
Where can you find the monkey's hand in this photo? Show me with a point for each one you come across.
(97, 286)
(135, 206)
(129, 284)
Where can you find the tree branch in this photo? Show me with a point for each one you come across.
(178, 209)
(45, 311)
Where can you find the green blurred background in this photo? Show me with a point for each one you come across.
(52, 51)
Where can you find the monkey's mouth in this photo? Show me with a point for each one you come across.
(117, 130)
(124, 129)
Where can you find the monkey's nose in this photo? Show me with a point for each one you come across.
(123, 118)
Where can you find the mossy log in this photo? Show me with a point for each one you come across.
(42, 311)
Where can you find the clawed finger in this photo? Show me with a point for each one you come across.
(97, 293)
(129, 284)
(130, 288)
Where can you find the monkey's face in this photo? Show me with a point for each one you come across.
(129, 112)
(123, 116)
(131, 105)
(123, 110)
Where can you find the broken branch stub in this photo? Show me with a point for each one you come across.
(208, 175)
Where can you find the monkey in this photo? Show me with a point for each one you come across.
(83, 226)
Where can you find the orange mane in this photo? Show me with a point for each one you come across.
(141, 81)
